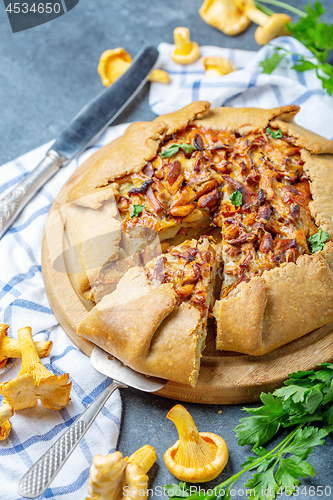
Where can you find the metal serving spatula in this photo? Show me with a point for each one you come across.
(36, 481)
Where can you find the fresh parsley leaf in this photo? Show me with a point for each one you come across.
(303, 65)
(263, 485)
(263, 423)
(276, 134)
(294, 392)
(174, 148)
(136, 210)
(236, 198)
(318, 240)
(180, 490)
(272, 62)
(304, 441)
(289, 470)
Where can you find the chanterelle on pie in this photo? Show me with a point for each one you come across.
(244, 195)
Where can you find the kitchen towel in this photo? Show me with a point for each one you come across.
(248, 86)
(23, 302)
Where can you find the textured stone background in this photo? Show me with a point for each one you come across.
(47, 74)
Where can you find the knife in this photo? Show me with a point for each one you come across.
(83, 130)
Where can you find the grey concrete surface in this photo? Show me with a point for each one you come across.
(46, 75)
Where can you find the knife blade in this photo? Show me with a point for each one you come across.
(82, 131)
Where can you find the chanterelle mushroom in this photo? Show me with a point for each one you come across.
(11, 348)
(114, 478)
(196, 457)
(6, 411)
(186, 52)
(269, 26)
(224, 15)
(113, 63)
(34, 381)
(218, 66)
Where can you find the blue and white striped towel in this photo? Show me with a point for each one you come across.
(247, 86)
(23, 302)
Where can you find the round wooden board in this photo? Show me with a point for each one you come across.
(225, 378)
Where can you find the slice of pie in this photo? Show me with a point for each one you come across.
(156, 319)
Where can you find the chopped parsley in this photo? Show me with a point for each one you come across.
(236, 198)
(318, 240)
(276, 134)
(136, 210)
(174, 148)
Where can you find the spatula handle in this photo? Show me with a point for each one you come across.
(36, 481)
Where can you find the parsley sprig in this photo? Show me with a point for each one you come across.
(315, 35)
(304, 402)
(136, 210)
(236, 198)
(317, 241)
(276, 134)
(174, 148)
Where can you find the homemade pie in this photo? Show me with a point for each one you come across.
(232, 206)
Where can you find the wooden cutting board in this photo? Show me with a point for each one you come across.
(225, 378)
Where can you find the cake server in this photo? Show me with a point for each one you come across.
(36, 481)
(82, 131)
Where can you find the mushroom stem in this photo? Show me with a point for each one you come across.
(11, 348)
(145, 457)
(249, 8)
(6, 411)
(30, 359)
(193, 451)
(269, 26)
(182, 41)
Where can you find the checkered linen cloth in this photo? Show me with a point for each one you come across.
(23, 302)
(247, 87)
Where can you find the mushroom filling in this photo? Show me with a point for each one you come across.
(190, 268)
(252, 186)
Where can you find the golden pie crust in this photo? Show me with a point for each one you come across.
(277, 293)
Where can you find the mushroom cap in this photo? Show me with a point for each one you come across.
(217, 66)
(203, 473)
(112, 64)
(159, 76)
(23, 392)
(224, 15)
(274, 26)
